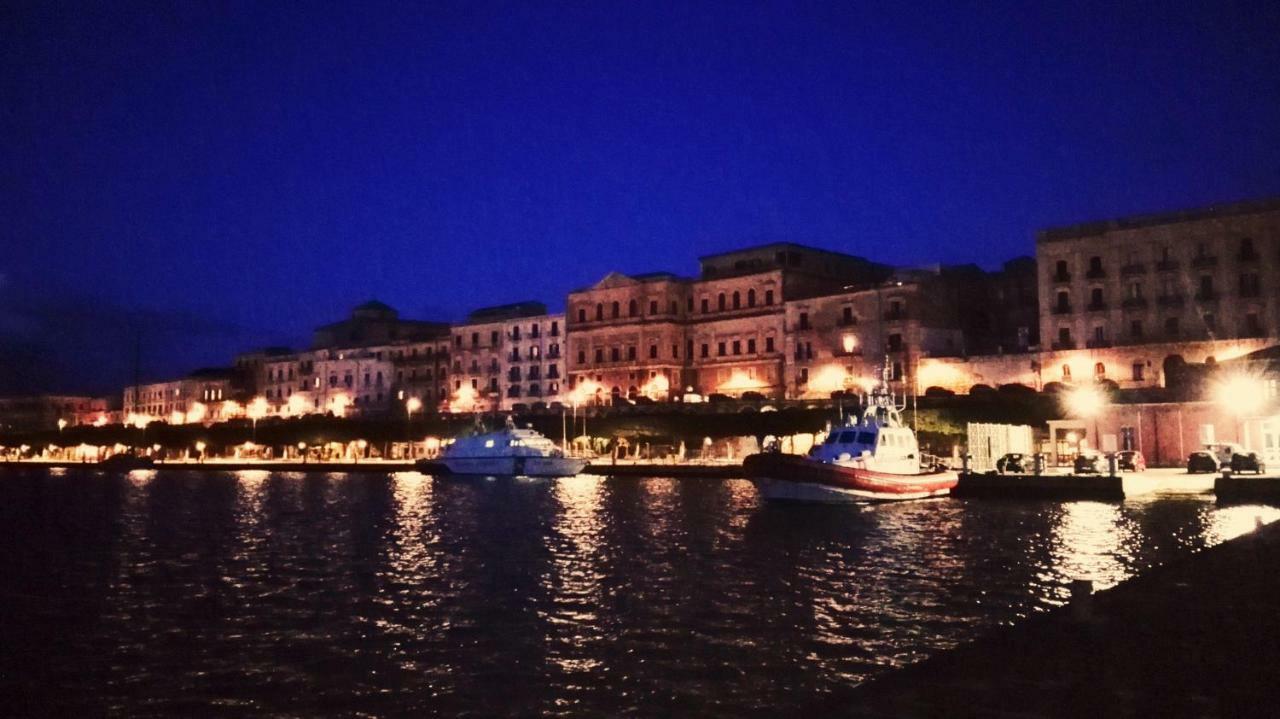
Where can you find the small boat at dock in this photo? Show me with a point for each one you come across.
(873, 459)
(508, 452)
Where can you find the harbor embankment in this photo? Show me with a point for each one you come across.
(1195, 637)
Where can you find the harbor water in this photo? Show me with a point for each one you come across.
(220, 594)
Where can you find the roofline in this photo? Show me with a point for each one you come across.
(763, 245)
(1129, 222)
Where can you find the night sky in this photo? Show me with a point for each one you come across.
(228, 175)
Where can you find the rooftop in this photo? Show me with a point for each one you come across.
(1099, 227)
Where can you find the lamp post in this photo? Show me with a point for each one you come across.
(62, 424)
(302, 450)
(411, 405)
(200, 449)
(256, 410)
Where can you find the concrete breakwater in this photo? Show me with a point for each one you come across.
(1196, 637)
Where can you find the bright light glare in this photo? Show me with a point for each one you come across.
(413, 404)
(1084, 401)
(1241, 394)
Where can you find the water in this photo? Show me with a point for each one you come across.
(302, 595)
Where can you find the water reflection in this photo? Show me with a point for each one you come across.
(393, 594)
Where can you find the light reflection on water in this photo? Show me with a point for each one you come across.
(389, 594)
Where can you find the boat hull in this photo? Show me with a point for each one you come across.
(784, 477)
(513, 466)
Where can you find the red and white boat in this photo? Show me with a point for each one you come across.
(874, 459)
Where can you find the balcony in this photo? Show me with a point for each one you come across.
(1097, 273)
(1097, 344)
(1204, 261)
(1130, 270)
(1062, 309)
(1167, 266)
(1134, 303)
(1061, 277)
(1171, 301)
(1064, 345)
(1097, 307)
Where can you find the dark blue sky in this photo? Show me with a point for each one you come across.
(233, 174)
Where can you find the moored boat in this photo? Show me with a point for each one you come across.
(509, 452)
(873, 459)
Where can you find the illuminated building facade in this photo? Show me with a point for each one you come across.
(842, 342)
(507, 357)
(42, 412)
(1204, 274)
(206, 395)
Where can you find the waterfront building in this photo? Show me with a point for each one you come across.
(205, 395)
(842, 342)
(1205, 274)
(661, 336)
(44, 412)
(375, 323)
(507, 357)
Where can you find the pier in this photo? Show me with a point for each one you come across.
(1196, 637)
(1054, 486)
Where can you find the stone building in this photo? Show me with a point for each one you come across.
(375, 323)
(42, 412)
(658, 335)
(1205, 274)
(843, 342)
(507, 357)
(205, 395)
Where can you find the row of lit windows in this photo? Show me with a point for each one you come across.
(1164, 260)
(724, 302)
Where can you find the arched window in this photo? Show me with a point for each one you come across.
(720, 302)
(632, 308)
(599, 311)
(615, 309)
(751, 298)
(737, 300)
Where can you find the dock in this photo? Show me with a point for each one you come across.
(1236, 489)
(1196, 637)
(1100, 487)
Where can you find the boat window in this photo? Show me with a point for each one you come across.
(866, 438)
(846, 437)
(488, 443)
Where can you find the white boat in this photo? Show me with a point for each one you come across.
(874, 459)
(509, 452)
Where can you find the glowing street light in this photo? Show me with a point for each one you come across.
(1242, 396)
(1086, 402)
(200, 449)
(257, 410)
(62, 424)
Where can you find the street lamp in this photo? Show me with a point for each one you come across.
(1086, 402)
(411, 405)
(62, 424)
(302, 450)
(200, 449)
(1242, 396)
(257, 410)
(360, 444)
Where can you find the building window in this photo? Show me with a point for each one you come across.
(1138, 370)
(804, 375)
(706, 350)
(1060, 271)
(615, 354)
(737, 347)
(653, 351)
(737, 300)
(653, 307)
(896, 373)
(631, 352)
(1135, 329)
(633, 308)
(1099, 335)
(720, 349)
(804, 320)
(768, 298)
(1064, 302)
(751, 346)
(705, 306)
(599, 355)
(1171, 326)
(1249, 285)
(895, 343)
(1066, 373)
(493, 338)
(1064, 336)
(751, 298)
(1095, 298)
(615, 310)
(768, 344)
(720, 303)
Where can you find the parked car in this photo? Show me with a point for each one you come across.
(1091, 461)
(1223, 452)
(1247, 462)
(1201, 461)
(1130, 460)
(1014, 463)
